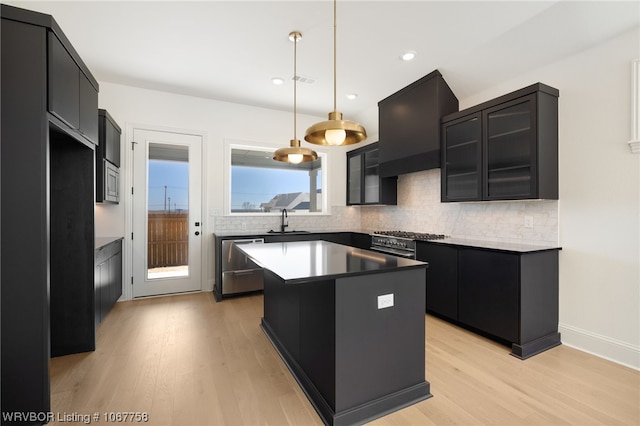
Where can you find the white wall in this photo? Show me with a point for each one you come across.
(599, 208)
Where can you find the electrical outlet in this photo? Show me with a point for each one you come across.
(385, 301)
(528, 221)
(244, 225)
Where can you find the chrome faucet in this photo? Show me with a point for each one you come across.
(282, 220)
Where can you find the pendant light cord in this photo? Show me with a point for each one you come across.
(295, 84)
(335, 25)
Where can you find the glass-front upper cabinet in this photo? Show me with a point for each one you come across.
(461, 155)
(364, 184)
(371, 177)
(510, 150)
(503, 149)
(354, 180)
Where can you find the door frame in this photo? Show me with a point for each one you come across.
(127, 198)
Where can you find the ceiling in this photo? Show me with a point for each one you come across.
(230, 50)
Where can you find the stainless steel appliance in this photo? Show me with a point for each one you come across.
(239, 273)
(111, 182)
(400, 243)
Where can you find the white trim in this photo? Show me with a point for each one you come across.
(127, 200)
(602, 346)
(634, 143)
(231, 143)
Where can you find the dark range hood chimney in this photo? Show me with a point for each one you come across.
(409, 125)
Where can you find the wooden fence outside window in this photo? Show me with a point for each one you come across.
(168, 238)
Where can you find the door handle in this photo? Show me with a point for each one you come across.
(197, 232)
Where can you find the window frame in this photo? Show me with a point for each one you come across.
(230, 145)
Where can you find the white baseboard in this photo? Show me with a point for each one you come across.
(601, 346)
(209, 285)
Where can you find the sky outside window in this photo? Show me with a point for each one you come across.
(168, 185)
(252, 186)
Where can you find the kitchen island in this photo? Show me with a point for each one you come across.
(349, 323)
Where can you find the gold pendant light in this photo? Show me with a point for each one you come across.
(335, 131)
(294, 153)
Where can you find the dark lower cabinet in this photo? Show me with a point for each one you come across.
(108, 278)
(360, 240)
(442, 278)
(511, 296)
(489, 292)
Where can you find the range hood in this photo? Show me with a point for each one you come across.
(409, 125)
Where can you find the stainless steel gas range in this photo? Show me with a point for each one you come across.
(400, 243)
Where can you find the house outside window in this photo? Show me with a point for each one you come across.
(260, 185)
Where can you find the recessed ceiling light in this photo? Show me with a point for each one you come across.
(277, 81)
(352, 96)
(408, 56)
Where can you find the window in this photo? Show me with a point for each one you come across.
(261, 185)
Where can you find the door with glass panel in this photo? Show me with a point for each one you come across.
(167, 228)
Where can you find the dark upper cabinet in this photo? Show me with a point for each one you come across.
(109, 138)
(462, 159)
(72, 97)
(88, 107)
(64, 84)
(504, 149)
(108, 159)
(409, 125)
(364, 184)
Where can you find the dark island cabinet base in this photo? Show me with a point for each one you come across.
(354, 362)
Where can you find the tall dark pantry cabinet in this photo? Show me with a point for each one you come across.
(49, 122)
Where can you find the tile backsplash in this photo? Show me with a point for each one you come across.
(419, 210)
(341, 219)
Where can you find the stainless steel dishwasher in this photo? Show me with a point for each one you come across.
(239, 273)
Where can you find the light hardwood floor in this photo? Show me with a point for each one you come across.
(187, 360)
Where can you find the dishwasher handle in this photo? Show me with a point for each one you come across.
(249, 241)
